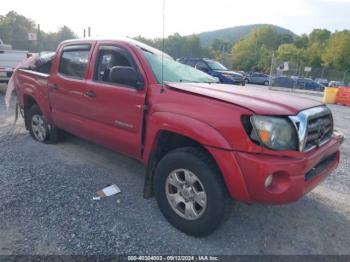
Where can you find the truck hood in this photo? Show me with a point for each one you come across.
(259, 100)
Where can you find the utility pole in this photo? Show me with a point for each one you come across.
(344, 76)
(84, 34)
(271, 69)
(222, 54)
(38, 38)
(89, 31)
(322, 72)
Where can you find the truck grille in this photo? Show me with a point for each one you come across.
(319, 130)
(314, 127)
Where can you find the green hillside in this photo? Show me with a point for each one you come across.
(233, 34)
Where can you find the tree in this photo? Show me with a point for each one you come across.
(319, 36)
(254, 51)
(177, 46)
(337, 51)
(291, 53)
(302, 41)
(14, 29)
(218, 50)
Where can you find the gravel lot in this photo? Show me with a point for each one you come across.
(46, 205)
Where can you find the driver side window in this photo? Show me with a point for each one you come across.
(202, 66)
(109, 57)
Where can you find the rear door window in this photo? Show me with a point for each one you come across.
(74, 61)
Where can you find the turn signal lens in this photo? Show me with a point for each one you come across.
(264, 136)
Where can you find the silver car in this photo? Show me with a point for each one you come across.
(258, 78)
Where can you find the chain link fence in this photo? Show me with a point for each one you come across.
(294, 76)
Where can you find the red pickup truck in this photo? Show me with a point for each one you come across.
(202, 142)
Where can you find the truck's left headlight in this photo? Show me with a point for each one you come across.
(276, 133)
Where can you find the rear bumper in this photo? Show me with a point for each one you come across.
(245, 173)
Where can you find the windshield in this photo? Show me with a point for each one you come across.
(215, 65)
(174, 71)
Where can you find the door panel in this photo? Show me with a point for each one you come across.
(67, 86)
(115, 116)
(114, 112)
(67, 96)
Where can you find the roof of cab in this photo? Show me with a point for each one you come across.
(120, 40)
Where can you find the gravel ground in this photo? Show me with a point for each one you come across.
(46, 205)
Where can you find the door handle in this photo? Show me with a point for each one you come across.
(54, 86)
(90, 93)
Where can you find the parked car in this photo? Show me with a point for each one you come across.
(284, 81)
(8, 60)
(297, 82)
(336, 83)
(308, 83)
(215, 69)
(201, 141)
(322, 81)
(258, 78)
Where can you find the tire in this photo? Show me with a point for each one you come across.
(39, 129)
(266, 83)
(243, 83)
(246, 81)
(198, 165)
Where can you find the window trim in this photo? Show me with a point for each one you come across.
(74, 48)
(114, 47)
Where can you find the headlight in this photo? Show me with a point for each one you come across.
(276, 133)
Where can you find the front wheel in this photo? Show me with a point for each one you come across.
(190, 191)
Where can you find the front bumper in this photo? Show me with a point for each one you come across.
(292, 177)
(237, 81)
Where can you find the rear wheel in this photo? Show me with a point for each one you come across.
(266, 83)
(246, 81)
(190, 191)
(38, 127)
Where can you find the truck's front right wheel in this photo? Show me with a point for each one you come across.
(190, 191)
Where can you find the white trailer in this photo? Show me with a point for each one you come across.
(9, 59)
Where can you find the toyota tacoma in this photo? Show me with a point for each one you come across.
(202, 142)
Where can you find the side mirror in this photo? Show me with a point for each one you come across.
(126, 75)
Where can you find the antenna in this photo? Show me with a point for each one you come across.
(162, 87)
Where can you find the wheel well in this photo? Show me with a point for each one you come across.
(29, 101)
(168, 141)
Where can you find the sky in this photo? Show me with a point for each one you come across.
(120, 18)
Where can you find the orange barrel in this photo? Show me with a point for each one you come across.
(343, 96)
